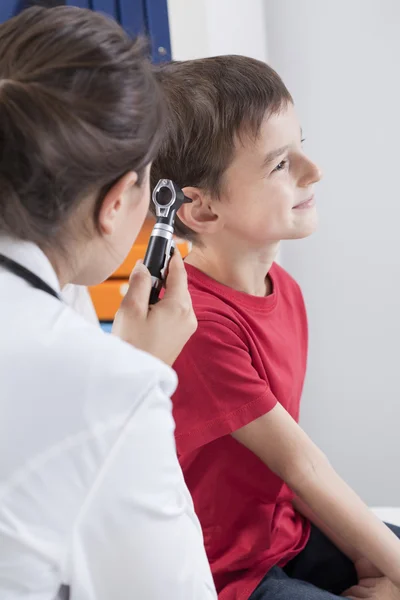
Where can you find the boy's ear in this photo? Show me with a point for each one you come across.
(200, 214)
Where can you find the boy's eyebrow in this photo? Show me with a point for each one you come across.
(274, 154)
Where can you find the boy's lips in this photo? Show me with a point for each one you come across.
(309, 203)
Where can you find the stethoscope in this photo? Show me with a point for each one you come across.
(27, 275)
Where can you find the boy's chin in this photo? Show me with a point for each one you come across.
(301, 233)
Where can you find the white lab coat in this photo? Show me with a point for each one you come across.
(78, 297)
(91, 492)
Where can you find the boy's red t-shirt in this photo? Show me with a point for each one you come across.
(248, 354)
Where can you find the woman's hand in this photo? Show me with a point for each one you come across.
(164, 328)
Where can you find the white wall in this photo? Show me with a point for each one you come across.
(210, 27)
(340, 59)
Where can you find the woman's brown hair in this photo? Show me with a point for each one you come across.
(79, 108)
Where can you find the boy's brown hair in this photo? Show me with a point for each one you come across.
(211, 102)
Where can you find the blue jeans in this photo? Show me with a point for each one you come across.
(319, 572)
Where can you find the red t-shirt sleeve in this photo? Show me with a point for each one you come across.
(219, 390)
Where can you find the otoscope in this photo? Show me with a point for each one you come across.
(167, 198)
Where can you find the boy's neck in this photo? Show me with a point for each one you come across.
(243, 271)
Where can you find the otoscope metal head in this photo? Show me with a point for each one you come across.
(168, 197)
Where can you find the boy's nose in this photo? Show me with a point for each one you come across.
(312, 174)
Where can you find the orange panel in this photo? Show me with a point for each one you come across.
(144, 234)
(107, 297)
(137, 251)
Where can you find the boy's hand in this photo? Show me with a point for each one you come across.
(366, 570)
(164, 328)
(378, 588)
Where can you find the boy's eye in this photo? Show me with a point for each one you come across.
(282, 165)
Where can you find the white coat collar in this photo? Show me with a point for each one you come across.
(31, 257)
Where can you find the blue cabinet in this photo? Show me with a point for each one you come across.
(149, 17)
(79, 3)
(157, 27)
(132, 16)
(7, 9)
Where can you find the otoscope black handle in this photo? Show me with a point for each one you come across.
(159, 251)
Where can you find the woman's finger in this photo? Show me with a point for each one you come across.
(176, 284)
(136, 299)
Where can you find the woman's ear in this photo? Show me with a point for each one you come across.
(115, 203)
(200, 215)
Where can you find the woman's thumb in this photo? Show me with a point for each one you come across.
(137, 296)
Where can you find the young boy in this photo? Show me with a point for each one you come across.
(278, 522)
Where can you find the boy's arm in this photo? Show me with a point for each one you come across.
(363, 566)
(285, 448)
(347, 549)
